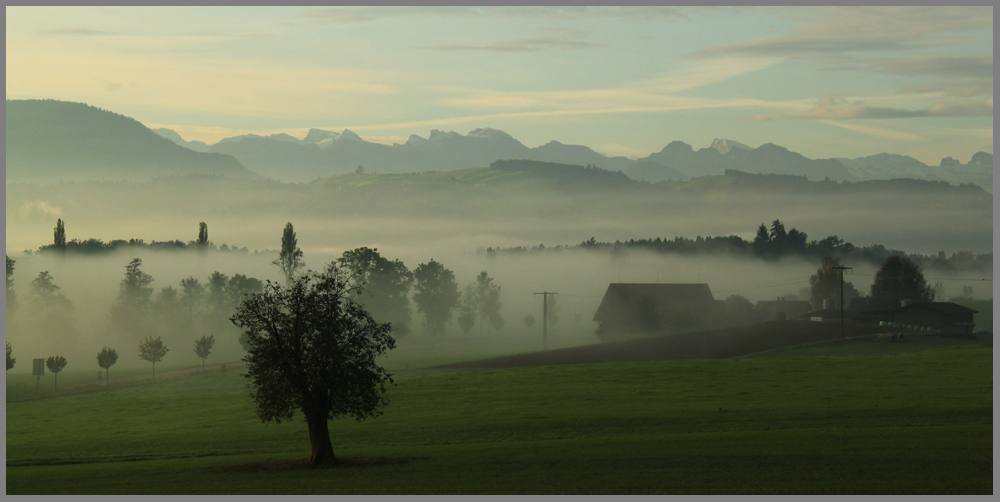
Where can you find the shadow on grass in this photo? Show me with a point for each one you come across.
(303, 464)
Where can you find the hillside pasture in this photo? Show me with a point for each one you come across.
(917, 422)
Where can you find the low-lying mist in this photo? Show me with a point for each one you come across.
(580, 277)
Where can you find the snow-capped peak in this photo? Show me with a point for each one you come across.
(724, 146)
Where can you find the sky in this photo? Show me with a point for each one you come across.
(824, 82)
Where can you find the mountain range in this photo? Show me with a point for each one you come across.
(322, 153)
(49, 140)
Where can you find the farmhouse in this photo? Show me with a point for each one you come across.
(639, 309)
(946, 318)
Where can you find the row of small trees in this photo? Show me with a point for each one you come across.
(151, 350)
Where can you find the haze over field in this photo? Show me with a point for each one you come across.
(868, 125)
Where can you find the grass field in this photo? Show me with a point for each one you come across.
(905, 422)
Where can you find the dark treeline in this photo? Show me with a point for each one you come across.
(772, 243)
(97, 246)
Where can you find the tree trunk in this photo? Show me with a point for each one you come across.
(57, 380)
(319, 436)
(203, 365)
(154, 371)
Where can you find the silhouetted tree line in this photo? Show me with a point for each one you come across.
(771, 243)
(97, 246)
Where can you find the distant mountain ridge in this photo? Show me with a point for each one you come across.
(290, 159)
(50, 140)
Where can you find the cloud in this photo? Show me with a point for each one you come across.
(111, 86)
(947, 66)
(73, 32)
(876, 131)
(617, 150)
(829, 100)
(655, 93)
(959, 89)
(40, 208)
(969, 108)
(832, 31)
(519, 45)
(363, 14)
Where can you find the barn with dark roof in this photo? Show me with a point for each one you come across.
(946, 318)
(640, 309)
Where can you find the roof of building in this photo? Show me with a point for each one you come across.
(942, 307)
(624, 296)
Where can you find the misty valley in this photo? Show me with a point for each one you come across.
(248, 253)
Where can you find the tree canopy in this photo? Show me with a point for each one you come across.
(825, 284)
(152, 350)
(203, 348)
(436, 295)
(55, 364)
(384, 286)
(312, 348)
(290, 258)
(900, 278)
(107, 358)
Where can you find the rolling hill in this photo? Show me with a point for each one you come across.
(50, 140)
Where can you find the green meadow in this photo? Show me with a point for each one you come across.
(909, 422)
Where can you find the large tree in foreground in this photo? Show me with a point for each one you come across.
(312, 348)
(900, 278)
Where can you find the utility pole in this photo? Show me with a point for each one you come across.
(545, 318)
(842, 269)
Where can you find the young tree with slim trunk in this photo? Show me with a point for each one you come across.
(290, 257)
(203, 347)
(312, 348)
(55, 364)
(107, 358)
(152, 350)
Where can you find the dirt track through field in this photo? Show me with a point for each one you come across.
(714, 344)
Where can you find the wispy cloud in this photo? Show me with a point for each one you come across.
(959, 88)
(73, 32)
(362, 14)
(876, 131)
(969, 108)
(519, 45)
(655, 93)
(946, 66)
(822, 32)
